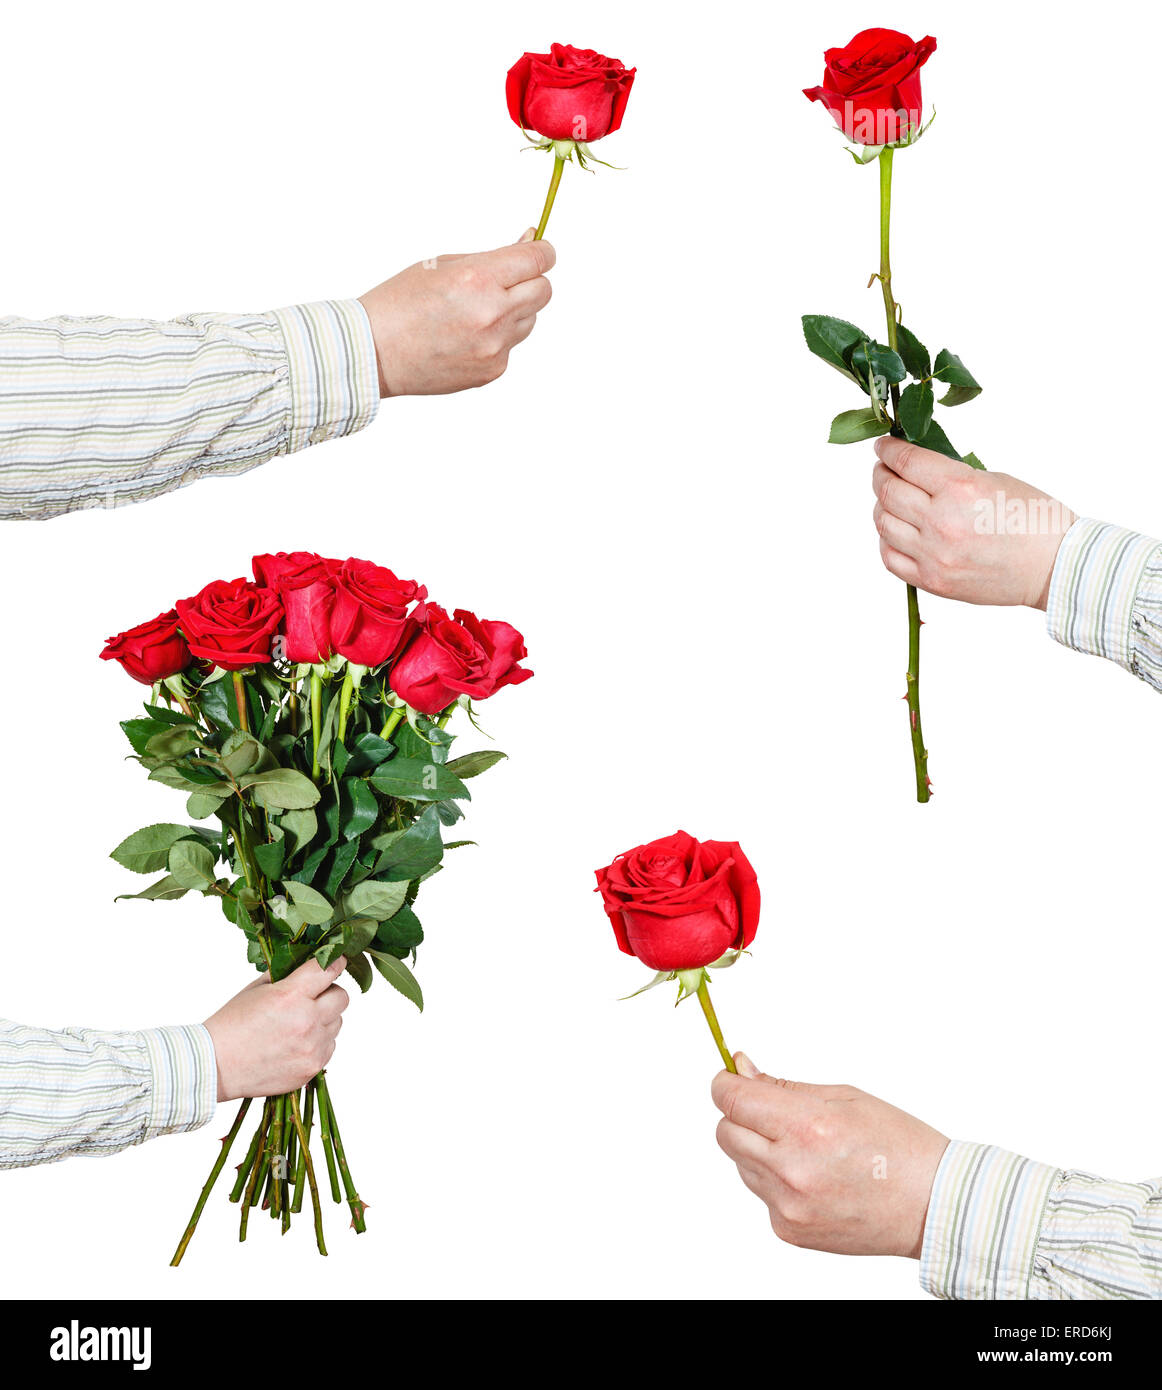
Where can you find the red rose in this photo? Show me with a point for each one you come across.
(461, 655)
(152, 651)
(872, 87)
(370, 618)
(231, 623)
(677, 904)
(304, 583)
(568, 93)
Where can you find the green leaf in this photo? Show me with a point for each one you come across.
(367, 752)
(412, 779)
(217, 703)
(164, 890)
(396, 973)
(240, 752)
(203, 804)
(876, 360)
(974, 462)
(913, 352)
(429, 742)
(473, 764)
(413, 852)
(832, 340)
(164, 715)
(374, 899)
(344, 856)
(140, 731)
(271, 857)
(183, 776)
(281, 789)
(191, 864)
(850, 426)
(360, 972)
(146, 851)
(936, 439)
(312, 906)
(301, 828)
(915, 411)
(963, 386)
(401, 934)
(349, 939)
(358, 808)
(172, 744)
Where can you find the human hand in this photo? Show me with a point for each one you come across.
(272, 1038)
(448, 324)
(838, 1169)
(963, 533)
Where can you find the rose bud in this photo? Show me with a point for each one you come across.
(370, 617)
(461, 655)
(872, 87)
(152, 651)
(678, 904)
(304, 583)
(568, 93)
(230, 623)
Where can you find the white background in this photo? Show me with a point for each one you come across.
(649, 496)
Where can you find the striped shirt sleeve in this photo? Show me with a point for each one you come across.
(1003, 1227)
(1105, 597)
(80, 1091)
(100, 412)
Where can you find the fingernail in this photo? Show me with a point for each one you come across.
(745, 1066)
(528, 236)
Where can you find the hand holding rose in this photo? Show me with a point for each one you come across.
(962, 533)
(838, 1169)
(449, 324)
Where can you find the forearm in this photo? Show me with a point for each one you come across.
(80, 1091)
(104, 412)
(1003, 1227)
(1105, 597)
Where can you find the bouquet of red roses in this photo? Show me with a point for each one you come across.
(303, 713)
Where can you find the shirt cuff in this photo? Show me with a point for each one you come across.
(984, 1217)
(185, 1079)
(1096, 579)
(334, 372)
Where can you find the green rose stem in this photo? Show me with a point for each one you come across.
(250, 1194)
(307, 1120)
(357, 1205)
(247, 1164)
(345, 694)
(712, 1020)
(554, 184)
(390, 724)
(325, 1135)
(275, 1150)
(210, 1181)
(316, 721)
(305, 1160)
(892, 310)
(240, 701)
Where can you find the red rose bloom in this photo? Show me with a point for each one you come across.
(461, 655)
(370, 618)
(304, 583)
(152, 651)
(231, 623)
(677, 904)
(568, 93)
(872, 87)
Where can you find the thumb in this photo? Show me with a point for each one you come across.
(747, 1069)
(312, 979)
(526, 236)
